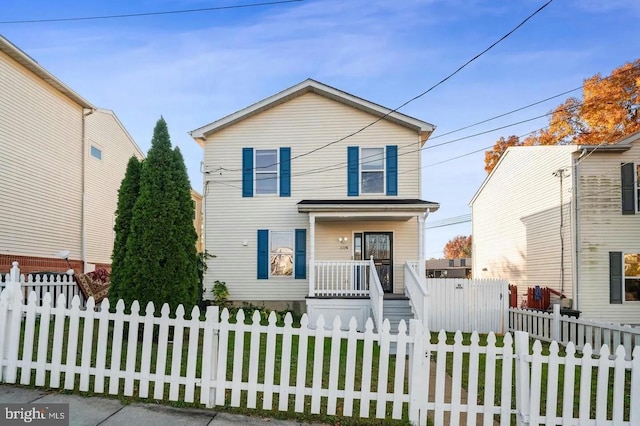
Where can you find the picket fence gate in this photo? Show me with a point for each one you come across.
(216, 361)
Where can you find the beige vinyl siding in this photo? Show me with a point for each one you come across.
(103, 179)
(516, 219)
(603, 228)
(304, 123)
(405, 242)
(41, 152)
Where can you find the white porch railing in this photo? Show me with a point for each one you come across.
(413, 264)
(417, 292)
(340, 278)
(376, 294)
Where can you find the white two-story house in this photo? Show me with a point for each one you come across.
(312, 201)
(565, 217)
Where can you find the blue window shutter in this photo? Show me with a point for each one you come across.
(353, 153)
(263, 254)
(628, 189)
(285, 172)
(615, 277)
(301, 254)
(392, 169)
(247, 172)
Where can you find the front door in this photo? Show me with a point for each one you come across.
(380, 246)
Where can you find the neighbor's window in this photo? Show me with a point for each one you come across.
(638, 187)
(632, 277)
(96, 152)
(266, 171)
(281, 253)
(372, 170)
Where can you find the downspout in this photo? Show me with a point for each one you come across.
(576, 231)
(83, 216)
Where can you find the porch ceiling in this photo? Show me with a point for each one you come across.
(370, 209)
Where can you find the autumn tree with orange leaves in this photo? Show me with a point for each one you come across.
(608, 111)
(458, 248)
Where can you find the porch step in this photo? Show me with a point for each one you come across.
(395, 310)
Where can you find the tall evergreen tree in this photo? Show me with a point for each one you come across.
(161, 255)
(127, 196)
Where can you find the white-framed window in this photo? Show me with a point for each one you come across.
(96, 152)
(266, 171)
(631, 277)
(281, 246)
(372, 171)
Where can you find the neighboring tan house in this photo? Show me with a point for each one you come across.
(449, 268)
(294, 207)
(565, 217)
(196, 197)
(62, 163)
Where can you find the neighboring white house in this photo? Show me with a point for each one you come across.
(294, 207)
(62, 163)
(566, 217)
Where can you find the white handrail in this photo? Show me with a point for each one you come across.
(376, 294)
(417, 293)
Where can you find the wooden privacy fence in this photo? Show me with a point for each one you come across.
(468, 305)
(552, 326)
(216, 361)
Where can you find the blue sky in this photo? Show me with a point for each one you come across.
(197, 67)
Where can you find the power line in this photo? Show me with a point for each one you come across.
(442, 81)
(135, 15)
(449, 221)
(460, 68)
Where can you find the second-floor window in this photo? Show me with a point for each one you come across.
(266, 171)
(372, 170)
(630, 188)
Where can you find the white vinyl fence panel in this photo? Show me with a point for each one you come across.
(468, 305)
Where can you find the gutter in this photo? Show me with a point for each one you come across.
(83, 220)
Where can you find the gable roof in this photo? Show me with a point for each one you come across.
(422, 127)
(29, 63)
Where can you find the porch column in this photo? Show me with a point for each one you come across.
(421, 231)
(312, 253)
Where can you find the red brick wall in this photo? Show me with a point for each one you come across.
(29, 264)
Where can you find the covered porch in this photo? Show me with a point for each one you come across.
(362, 252)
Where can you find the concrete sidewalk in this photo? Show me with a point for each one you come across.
(93, 411)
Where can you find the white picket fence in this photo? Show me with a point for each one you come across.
(550, 326)
(468, 304)
(318, 370)
(43, 284)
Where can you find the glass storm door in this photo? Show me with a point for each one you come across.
(380, 246)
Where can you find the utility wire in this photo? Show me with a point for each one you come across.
(435, 85)
(135, 15)
(445, 79)
(449, 221)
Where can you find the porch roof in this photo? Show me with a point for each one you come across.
(391, 208)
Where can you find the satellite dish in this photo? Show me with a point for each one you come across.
(63, 254)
